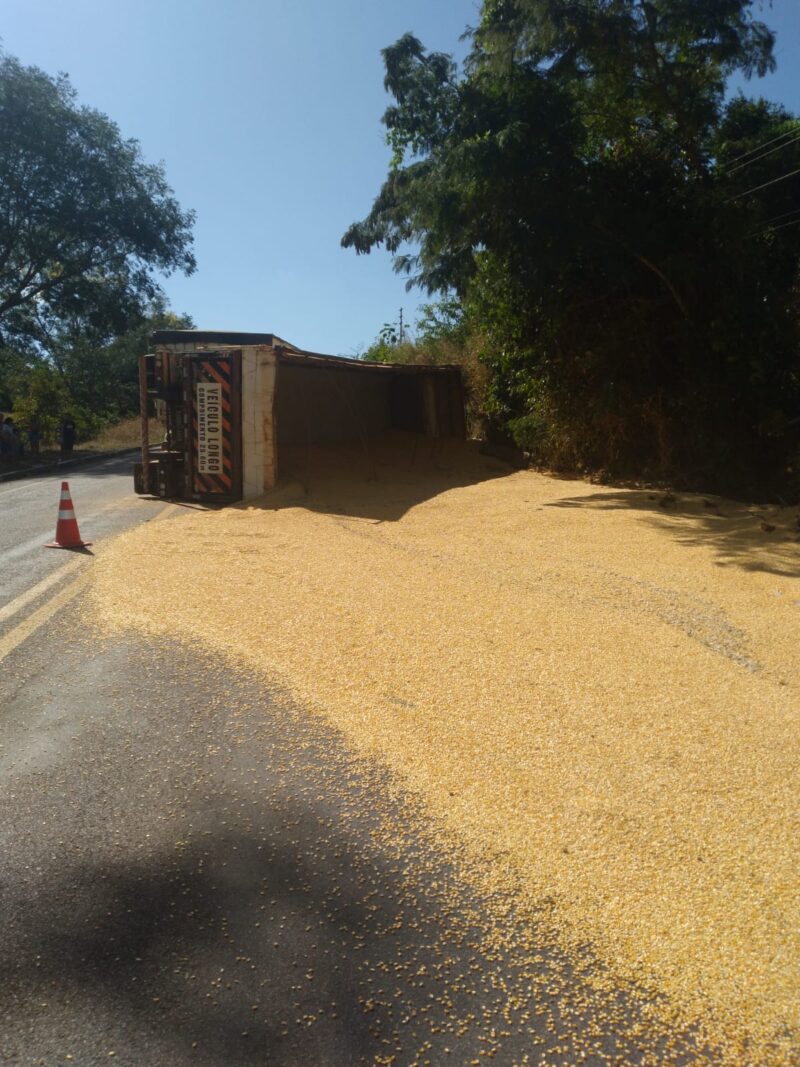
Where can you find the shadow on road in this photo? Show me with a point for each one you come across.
(187, 962)
(196, 872)
(381, 481)
(753, 537)
(281, 961)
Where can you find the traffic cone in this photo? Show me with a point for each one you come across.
(67, 533)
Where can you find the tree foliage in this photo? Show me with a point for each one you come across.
(93, 384)
(612, 228)
(86, 224)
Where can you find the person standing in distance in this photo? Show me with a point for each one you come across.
(67, 437)
(34, 435)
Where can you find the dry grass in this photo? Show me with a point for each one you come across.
(119, 437)
(596, 693)
(124, 434)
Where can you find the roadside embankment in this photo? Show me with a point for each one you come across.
(594, 689)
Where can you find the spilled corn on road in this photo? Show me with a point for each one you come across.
(195, 871)
(589, 695)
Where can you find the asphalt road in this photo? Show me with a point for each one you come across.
(105, 504)
(194, 871)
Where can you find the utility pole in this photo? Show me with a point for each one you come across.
(401, 325)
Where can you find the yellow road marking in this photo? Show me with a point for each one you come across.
(16, 605)
(13, 606)
(39, 617)
(166, 511)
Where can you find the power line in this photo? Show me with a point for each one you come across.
(763, 155)
(767, 227)
(758, 148)
(765, 185)
(785, 215)
(774, 229)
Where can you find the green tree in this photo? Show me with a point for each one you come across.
(86, 223)
(95, 385)
(45, 397)
(104, 379)
(581, 186)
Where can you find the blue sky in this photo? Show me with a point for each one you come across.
(266, 114)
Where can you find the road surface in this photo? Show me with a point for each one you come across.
(105, 504)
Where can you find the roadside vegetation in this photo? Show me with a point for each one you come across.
(616, 236)
(610, 238)
(114, 437)
(87, 228)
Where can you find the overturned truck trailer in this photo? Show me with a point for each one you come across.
(231, 402)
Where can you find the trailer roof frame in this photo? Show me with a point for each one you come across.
(289, 353)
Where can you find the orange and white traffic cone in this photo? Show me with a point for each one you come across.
(67, 533)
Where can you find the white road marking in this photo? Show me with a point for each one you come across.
(85, 520)
(16, 489)
(27, 546)
(38, 618)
